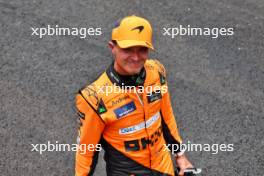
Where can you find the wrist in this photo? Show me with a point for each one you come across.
(179, 154)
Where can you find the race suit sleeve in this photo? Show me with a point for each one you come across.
(169, 126)
(90, 131)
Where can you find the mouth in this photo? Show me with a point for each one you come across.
(136, 67)
(136, 64)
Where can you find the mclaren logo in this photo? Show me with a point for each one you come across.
(140, 28)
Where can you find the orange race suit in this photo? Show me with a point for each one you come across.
(132, 127)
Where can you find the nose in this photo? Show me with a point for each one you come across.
(135, 56)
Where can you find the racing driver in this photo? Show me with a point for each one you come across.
(136, 127)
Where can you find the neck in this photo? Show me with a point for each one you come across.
(120, 77)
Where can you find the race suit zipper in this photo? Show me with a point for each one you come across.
(142, 103)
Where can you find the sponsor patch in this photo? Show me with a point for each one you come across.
(154, 96)
(119, 100)
(101, 107)
(140, 126)
(124, 110)
(162, 79)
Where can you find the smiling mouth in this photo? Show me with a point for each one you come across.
(136, 63)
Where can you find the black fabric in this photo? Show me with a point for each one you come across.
(126, 80)
(154, 96)
(168, 136)
(94, 163)
(117, 164)
(162, 79)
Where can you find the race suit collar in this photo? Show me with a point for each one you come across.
(124, 80)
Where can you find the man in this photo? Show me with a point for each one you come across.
(133, 127)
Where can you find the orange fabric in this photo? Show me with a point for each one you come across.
(89, 133)
(128, 134)
(133, 31)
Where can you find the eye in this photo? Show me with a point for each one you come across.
(127, 50)
(143, 49)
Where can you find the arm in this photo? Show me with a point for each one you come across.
(169, 125)
(90, 131)
(172, 135)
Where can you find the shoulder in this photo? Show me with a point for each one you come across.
(88, 98)
(93, 93)
(156, 69)
(155, 64)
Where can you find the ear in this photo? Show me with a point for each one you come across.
(111, 45)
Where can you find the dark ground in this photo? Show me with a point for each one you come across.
(216, 84)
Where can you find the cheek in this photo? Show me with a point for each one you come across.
(144, 56)
(121, 59)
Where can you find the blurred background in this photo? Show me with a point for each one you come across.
(216, 85)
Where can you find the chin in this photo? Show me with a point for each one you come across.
(131, 72)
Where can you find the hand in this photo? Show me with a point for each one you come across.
(183, 163)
